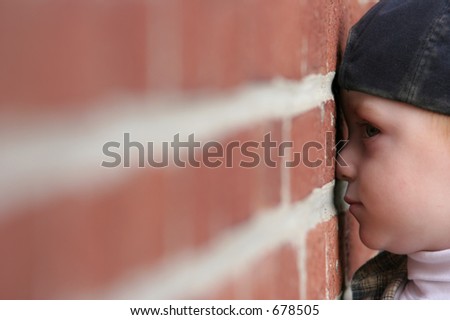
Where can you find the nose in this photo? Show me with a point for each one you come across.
(346, 163)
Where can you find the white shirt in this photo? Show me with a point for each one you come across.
(428, 276)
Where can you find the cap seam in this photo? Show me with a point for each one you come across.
(424, 51)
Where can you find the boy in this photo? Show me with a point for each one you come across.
(394, 83)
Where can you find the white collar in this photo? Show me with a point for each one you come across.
(428, 275)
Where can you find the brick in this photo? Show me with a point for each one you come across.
(287, 274)
(357, 253)
(337, 30)
(270, 39)
(263, 277)
(227, 43)
(209, 44)
(314, 40)
(60, 54)
(165, 50)
(317, 165)
(224, 292)
(75, 244)
(225, 197)
(288, 39)
(16, 250)
(324, 271)
(274, 276)
(180, 212)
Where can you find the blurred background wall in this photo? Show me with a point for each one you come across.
(77, 74)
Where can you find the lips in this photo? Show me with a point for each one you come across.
(351, 201)
(354, 205)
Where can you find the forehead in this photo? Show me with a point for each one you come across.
(354, 102)
(362, 105)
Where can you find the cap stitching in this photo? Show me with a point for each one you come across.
(425, 50)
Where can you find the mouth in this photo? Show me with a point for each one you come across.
(351, 201)
(354, 205)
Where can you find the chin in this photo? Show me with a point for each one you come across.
(381, 244)
(371, 242)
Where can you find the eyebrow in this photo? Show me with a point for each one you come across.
(368, 110)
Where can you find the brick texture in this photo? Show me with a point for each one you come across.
(57, 54)
(274, 276)
(324, 262)
(313, 140)
(357, 252)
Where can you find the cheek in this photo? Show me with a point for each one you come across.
(394, 198)
(386, 186)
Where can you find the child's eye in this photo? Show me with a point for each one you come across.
(370, 131)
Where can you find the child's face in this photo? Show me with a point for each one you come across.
(398, 174)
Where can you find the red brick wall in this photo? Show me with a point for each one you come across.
(76, 74)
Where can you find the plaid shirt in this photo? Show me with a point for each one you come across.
(380, 277)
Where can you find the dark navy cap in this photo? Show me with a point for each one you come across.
(400, 50)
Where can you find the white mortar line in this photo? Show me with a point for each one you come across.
(199, 272)
(364, 2)
(41, 157)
